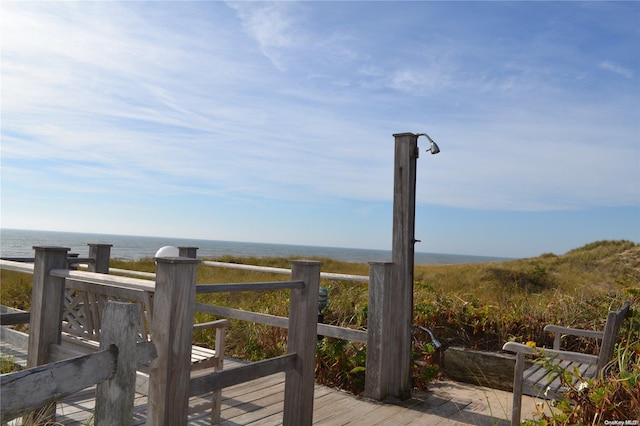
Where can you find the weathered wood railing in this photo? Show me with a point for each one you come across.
(36, 388)
(260, 318)
(380, 318)
(381, 314)
(276, 321)
(171, 326)
(299, 362)
(86, 293)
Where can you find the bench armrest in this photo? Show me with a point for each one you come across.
(550, 353)
(574, 331)
(222, 323)
(520, 348)
(560, 331)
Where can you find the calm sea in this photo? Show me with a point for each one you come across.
(19, 243)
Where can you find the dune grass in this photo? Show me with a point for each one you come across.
(481, 306)
(477, 306)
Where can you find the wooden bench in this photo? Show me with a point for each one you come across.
(542, 379)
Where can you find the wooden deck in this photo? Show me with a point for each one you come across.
(260, 402)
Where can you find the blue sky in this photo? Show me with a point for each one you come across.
(273, 121)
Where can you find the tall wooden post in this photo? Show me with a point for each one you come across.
(303, 329)
(379, 337)
(47, 304)
(401, 297)
(114, 397)
(171, 332)
(101, 254)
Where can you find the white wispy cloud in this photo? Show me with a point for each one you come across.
(270, 24)
(617, 69)
(154, 101)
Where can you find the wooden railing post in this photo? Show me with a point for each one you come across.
(47, 303)
(101, 254)
(303, 329)
(171, 332)
(401, 297)
(70, 257)
(191, 252)
(114, 397)
(379, 336)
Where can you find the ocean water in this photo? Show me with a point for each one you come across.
(20, 243)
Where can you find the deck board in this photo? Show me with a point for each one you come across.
(261, 402)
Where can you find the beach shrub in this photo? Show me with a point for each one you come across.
(425, 367)
(340, 363)
(7, 365)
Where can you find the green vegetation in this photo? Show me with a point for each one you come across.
(482, 306)
(592, 401)
(7, 365)
(475, 305)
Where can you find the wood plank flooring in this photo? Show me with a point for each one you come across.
(260, 402)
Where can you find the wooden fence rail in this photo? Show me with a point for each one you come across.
(285, 271)
(230, 288)
(240, 266)
(16, 266)
(32, 389)
(12, 316)
(180, 291)
(282, 322)
(378, 336)
(29, 390)
(170, 325)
